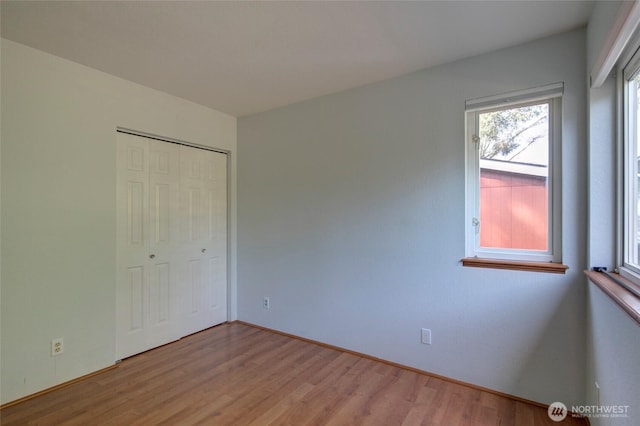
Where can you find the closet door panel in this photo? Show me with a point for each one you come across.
(215, 184)
(147, 226)
(203, 237)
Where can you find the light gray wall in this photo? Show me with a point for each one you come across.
(613, 348)
(613, 339)
(351, 219)
(602, 150)
(602, 176)
(58, 213)
(601, 21)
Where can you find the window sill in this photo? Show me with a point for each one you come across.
(516, 265)
(628, 301)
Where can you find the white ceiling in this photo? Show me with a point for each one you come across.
(243, 57)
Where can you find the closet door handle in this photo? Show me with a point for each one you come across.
(152, 256)
(203, 250)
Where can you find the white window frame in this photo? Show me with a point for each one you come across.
(628, 174)
(551, 94)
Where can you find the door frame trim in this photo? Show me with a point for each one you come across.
(170, 140)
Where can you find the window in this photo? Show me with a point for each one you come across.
(630, 241)
(513, 176)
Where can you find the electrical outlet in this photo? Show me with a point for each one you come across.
(57, 346)
(425, 336)
(265, 303)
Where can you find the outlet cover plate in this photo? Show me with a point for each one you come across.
(57, 346)
(425, 336)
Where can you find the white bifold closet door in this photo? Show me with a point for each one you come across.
(171, 241)
(203, 207)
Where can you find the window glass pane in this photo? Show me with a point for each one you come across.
(514, 175)
(634, 227)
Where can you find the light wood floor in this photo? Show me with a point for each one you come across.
(235, 374)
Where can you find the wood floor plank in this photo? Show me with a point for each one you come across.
(422, 404)
(236, 374)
